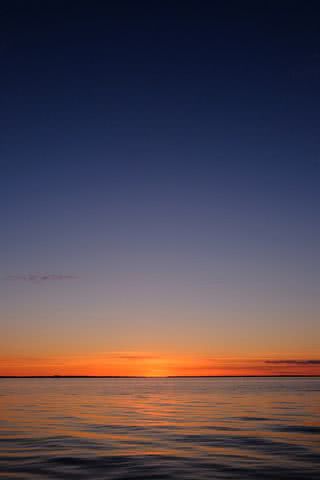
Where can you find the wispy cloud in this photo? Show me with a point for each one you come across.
(137, 356)
(40, 277)
(293, 362)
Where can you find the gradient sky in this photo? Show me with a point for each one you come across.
(159, 188)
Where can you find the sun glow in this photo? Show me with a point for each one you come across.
(147, 364)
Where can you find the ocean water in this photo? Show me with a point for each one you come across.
(231, 428)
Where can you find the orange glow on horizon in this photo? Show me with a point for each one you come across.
(152, 365)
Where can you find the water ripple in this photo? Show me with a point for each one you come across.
(161, 429)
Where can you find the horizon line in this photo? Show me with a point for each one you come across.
(162, 376)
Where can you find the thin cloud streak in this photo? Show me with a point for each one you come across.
(293, 362)
(40, 277)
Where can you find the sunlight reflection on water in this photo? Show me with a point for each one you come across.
(245, 428)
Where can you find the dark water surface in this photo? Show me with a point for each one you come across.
(245, 428)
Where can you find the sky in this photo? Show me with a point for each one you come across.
(159, 188)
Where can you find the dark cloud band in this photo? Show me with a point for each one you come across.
(293, 362)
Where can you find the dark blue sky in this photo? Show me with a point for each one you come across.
(146, 143)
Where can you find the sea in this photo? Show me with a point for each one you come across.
(160, 428)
